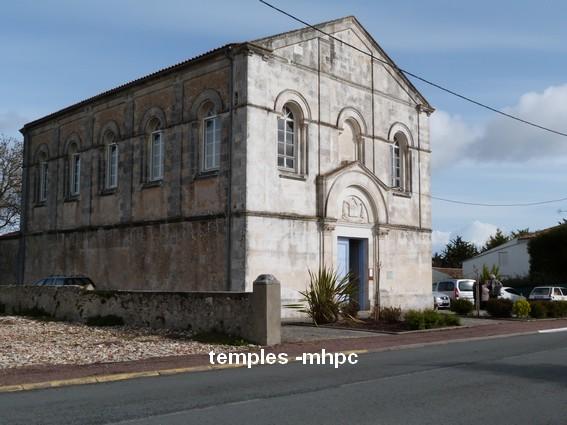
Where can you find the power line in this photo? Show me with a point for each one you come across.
(453, 201)
(411, 74)
(481, 204)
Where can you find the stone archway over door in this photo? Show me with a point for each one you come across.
(354, 207)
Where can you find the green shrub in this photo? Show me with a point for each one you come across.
(538, 309)
(462, 306)
(414, 319)
(108, 320)
(521, 308)
(391, 314)
(556, 308)
(451, 320)
(327, 296)
(499, 307)
(429, 319)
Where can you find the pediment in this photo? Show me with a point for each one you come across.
(302, 46)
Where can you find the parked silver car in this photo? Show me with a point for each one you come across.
(440, 301)
(548, 293)
(457, 289)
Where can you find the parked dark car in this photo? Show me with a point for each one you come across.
(82, 281)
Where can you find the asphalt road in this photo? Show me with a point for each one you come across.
(515, 380)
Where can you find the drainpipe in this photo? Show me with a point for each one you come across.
(418, 108)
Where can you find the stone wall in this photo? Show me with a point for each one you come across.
(9, 246)
(178, 256)
(251, 315)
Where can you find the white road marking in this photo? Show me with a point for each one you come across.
(548, 331)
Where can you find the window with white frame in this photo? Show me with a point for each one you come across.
(75, 174)
(396, 165)
(43, 181)
(211, 142)
(287, 140)
(401, 163)
(111, 177)
(155, 163)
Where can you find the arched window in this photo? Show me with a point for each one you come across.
(401, 164)
(287, 140)
(350, 142)
(211, 138)
(42, 178)
(74, 170)
(111, 154)
(155, 150)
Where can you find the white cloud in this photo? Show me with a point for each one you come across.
(450, 138)
(11, 122)
(507, 140)
(476, 232)
(503, 139)
(439, 240)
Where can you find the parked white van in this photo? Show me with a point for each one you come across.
(457, 289)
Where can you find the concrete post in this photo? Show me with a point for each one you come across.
(266, 310)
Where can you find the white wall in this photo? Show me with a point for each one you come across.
(512, 258)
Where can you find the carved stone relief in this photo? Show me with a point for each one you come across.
(354, 210)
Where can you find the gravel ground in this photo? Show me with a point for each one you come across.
(27, 342)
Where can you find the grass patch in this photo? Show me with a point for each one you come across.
(220, 338)
(429, 319)
(108, 320)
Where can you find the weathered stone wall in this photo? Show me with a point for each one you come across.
(172, 234)
(178, 256)
(9, 246)
(295, 218)
(248, 314)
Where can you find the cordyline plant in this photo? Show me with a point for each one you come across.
(328, 296)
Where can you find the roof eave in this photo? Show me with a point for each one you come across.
(154, 75)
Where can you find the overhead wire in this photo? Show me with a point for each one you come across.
(411, 74)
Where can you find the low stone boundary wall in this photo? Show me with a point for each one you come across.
(255, 316)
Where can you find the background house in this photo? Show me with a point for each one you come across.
(512, 259)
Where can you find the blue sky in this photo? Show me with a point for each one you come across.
(509, 54)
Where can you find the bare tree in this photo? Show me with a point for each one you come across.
(11, 154)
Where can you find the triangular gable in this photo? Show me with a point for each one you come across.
(291, 44)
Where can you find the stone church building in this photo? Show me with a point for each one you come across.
(271, 156)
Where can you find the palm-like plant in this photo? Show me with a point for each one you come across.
(328, 296)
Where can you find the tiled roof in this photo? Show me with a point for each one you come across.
(455, 273)
(159, 73)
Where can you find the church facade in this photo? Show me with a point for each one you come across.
(275, 156)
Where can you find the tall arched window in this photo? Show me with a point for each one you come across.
(74, 170)
(350, 142)
(401, 164)
(155, 150)
(287, 140)
(42, 178)
(111, 154)
(211, 138)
